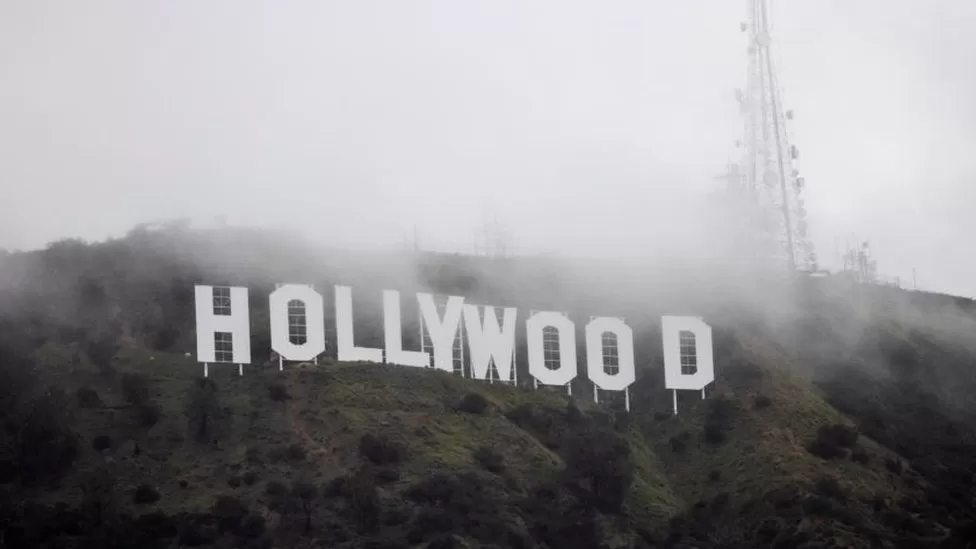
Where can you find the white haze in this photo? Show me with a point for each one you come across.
(591, 128)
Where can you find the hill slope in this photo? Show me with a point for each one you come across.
(843, 420)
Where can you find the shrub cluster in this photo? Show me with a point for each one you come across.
(88, 398)
(833, 441)
(718, 419)
(295, 452)
(490, 458)
(102, 442)
(145, 494)
(679, 442)
(473, 403)
(278, 392)
(380, 450)
(601, 460)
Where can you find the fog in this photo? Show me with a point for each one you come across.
(585, 129)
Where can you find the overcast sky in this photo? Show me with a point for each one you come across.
(585, 126)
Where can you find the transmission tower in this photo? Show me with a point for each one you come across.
(493, 239)
(765, 186)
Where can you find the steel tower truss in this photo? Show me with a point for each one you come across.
(765, 183)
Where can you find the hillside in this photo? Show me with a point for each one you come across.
(842, 415)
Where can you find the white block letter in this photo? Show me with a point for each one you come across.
(394, 334)
(346, 350)
(442, 331)
(306, 304)
(687, 342)
(487, 342)
(535, 326)
(625, 354)
(222, 315)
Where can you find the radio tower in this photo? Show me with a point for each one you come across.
(765, 185)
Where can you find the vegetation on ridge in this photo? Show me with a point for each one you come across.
(850, 425)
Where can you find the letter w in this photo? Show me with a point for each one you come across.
(490, 343)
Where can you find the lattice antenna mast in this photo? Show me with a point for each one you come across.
(494, 239)
(766, 182)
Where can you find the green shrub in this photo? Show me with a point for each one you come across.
(229, 511)
(149, 415)
(473, 403)
(825, 450)
(894, 465)
(860, 455)
(602, 460)
(679, 443)
(833, 441)
(521, 415)
(251, 527)
(275, 488)
(838, 434)
(387, 475)
(574, 415)
(135, 388)
(490, 458)
(818, 506)
(145, 494)
(203, 409)
(102, 352)
(720, 502)
(102, 442)
(278, 392)
(295, 452)
(831, 488)
(622, 421)
(88, 398)
(714, 433)
(379, 449)
(46, 445)
(364, 499)
(306, 493)
(720, 409)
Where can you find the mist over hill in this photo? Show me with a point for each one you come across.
(841, 416)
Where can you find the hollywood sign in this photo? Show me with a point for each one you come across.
(297, 323)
